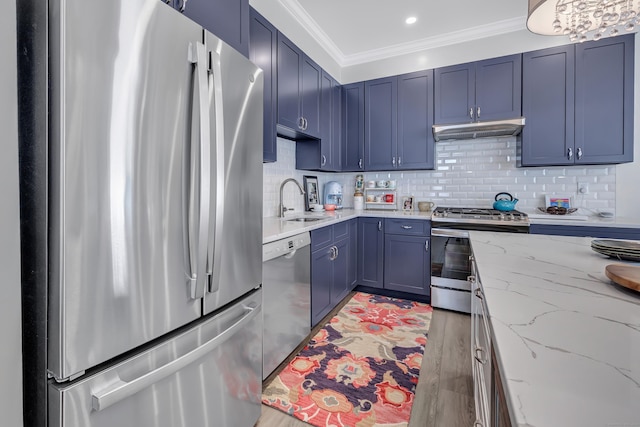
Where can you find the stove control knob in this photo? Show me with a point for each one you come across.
(445, 213)
(501, 216)
(510, 218)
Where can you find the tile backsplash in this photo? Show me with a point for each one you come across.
(469, 173)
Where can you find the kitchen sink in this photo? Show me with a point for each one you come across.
(306, 219)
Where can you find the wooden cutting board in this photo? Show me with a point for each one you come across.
(624, 275)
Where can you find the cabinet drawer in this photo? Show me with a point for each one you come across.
(409, 227)
(340, 231)
(321, 237)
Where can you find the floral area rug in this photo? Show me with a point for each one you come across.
(360, 370)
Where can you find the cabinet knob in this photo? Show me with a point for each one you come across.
(569, 153)
(579, 153)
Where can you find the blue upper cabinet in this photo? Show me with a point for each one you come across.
(323, 154)
(227, 19)
(352, 159)
(298, 91)
(398, 120)
(416, 146)
(263, 45)
(548, 106)
(483, 90)
(604, 101)
(578, 103)
(381, 123)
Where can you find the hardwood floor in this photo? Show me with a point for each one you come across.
(444, 394)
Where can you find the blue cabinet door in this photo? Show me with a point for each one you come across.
(381, 121)
(353, 127)
(329, 123)
(263, 45)
(407, 265)
(498, 88)
(371, 252)
(416, 145)
(353, 254)
(321, 283)
(341, 285)
(310, 76)
(454, 94)
(548, 106)
(335, 163)
(227, 19)
(604, 101)
(288, 82)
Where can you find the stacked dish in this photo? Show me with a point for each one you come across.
(620, 249)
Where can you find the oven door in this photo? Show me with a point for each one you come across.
(450, 268)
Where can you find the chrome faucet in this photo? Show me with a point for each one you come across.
(281, 208)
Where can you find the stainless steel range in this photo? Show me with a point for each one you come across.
(450, 249)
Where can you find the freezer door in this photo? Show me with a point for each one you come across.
(208, 376)
(235, 250)
(123, 189)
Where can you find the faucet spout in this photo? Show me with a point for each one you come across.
(281, 208)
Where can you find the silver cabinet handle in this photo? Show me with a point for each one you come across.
(305, 123)
(478, 113)
(426, 246)
(301, 123)
(215, 246)
(114, 393)
(200, 179)
(479, 353)
(472, 279)
(399, 161)
(471, 113)
(324, 160)
(379, 225)
(579, 153)
(407, 227)
(184, 4)
(569, 153)
(337, 251)
(478, 423)
(479, 293)
(393, 161)
(360, 163)
(332, 253)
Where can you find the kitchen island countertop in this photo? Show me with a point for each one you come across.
(567, 339)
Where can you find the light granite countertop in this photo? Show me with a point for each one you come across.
(567, 339)
(274, 228)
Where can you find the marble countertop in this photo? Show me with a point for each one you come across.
(582, 218)
(274, 228)
(567, 339)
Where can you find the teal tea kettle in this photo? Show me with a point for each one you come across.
(503, 203)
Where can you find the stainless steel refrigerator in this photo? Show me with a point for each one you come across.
(152, 196)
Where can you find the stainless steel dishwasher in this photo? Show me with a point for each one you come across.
(286, 286)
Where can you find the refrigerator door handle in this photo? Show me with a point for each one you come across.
(121, 390)
(202, 164)
(215, 235)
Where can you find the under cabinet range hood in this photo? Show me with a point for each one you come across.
(486, 129)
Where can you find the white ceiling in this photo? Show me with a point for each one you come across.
(358, 31)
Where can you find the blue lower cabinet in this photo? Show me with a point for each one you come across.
(352, 274)
(586, 231)
(321, 283)
(371, 252)
(407, 264)
(332, 267)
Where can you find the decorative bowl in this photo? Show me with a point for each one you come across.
(329, 207)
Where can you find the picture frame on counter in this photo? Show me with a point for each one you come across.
(407, 203)
(312, 195)
(558, 200)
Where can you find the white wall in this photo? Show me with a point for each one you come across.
(10, 320)
(469, 173)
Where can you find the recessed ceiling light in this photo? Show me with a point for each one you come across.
(411, 20)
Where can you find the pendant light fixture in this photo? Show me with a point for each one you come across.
(583, 19)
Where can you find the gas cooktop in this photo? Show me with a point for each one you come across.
(478, 215)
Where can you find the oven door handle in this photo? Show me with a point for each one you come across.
(445, 232)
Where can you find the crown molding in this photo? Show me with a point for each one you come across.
(454, 37)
